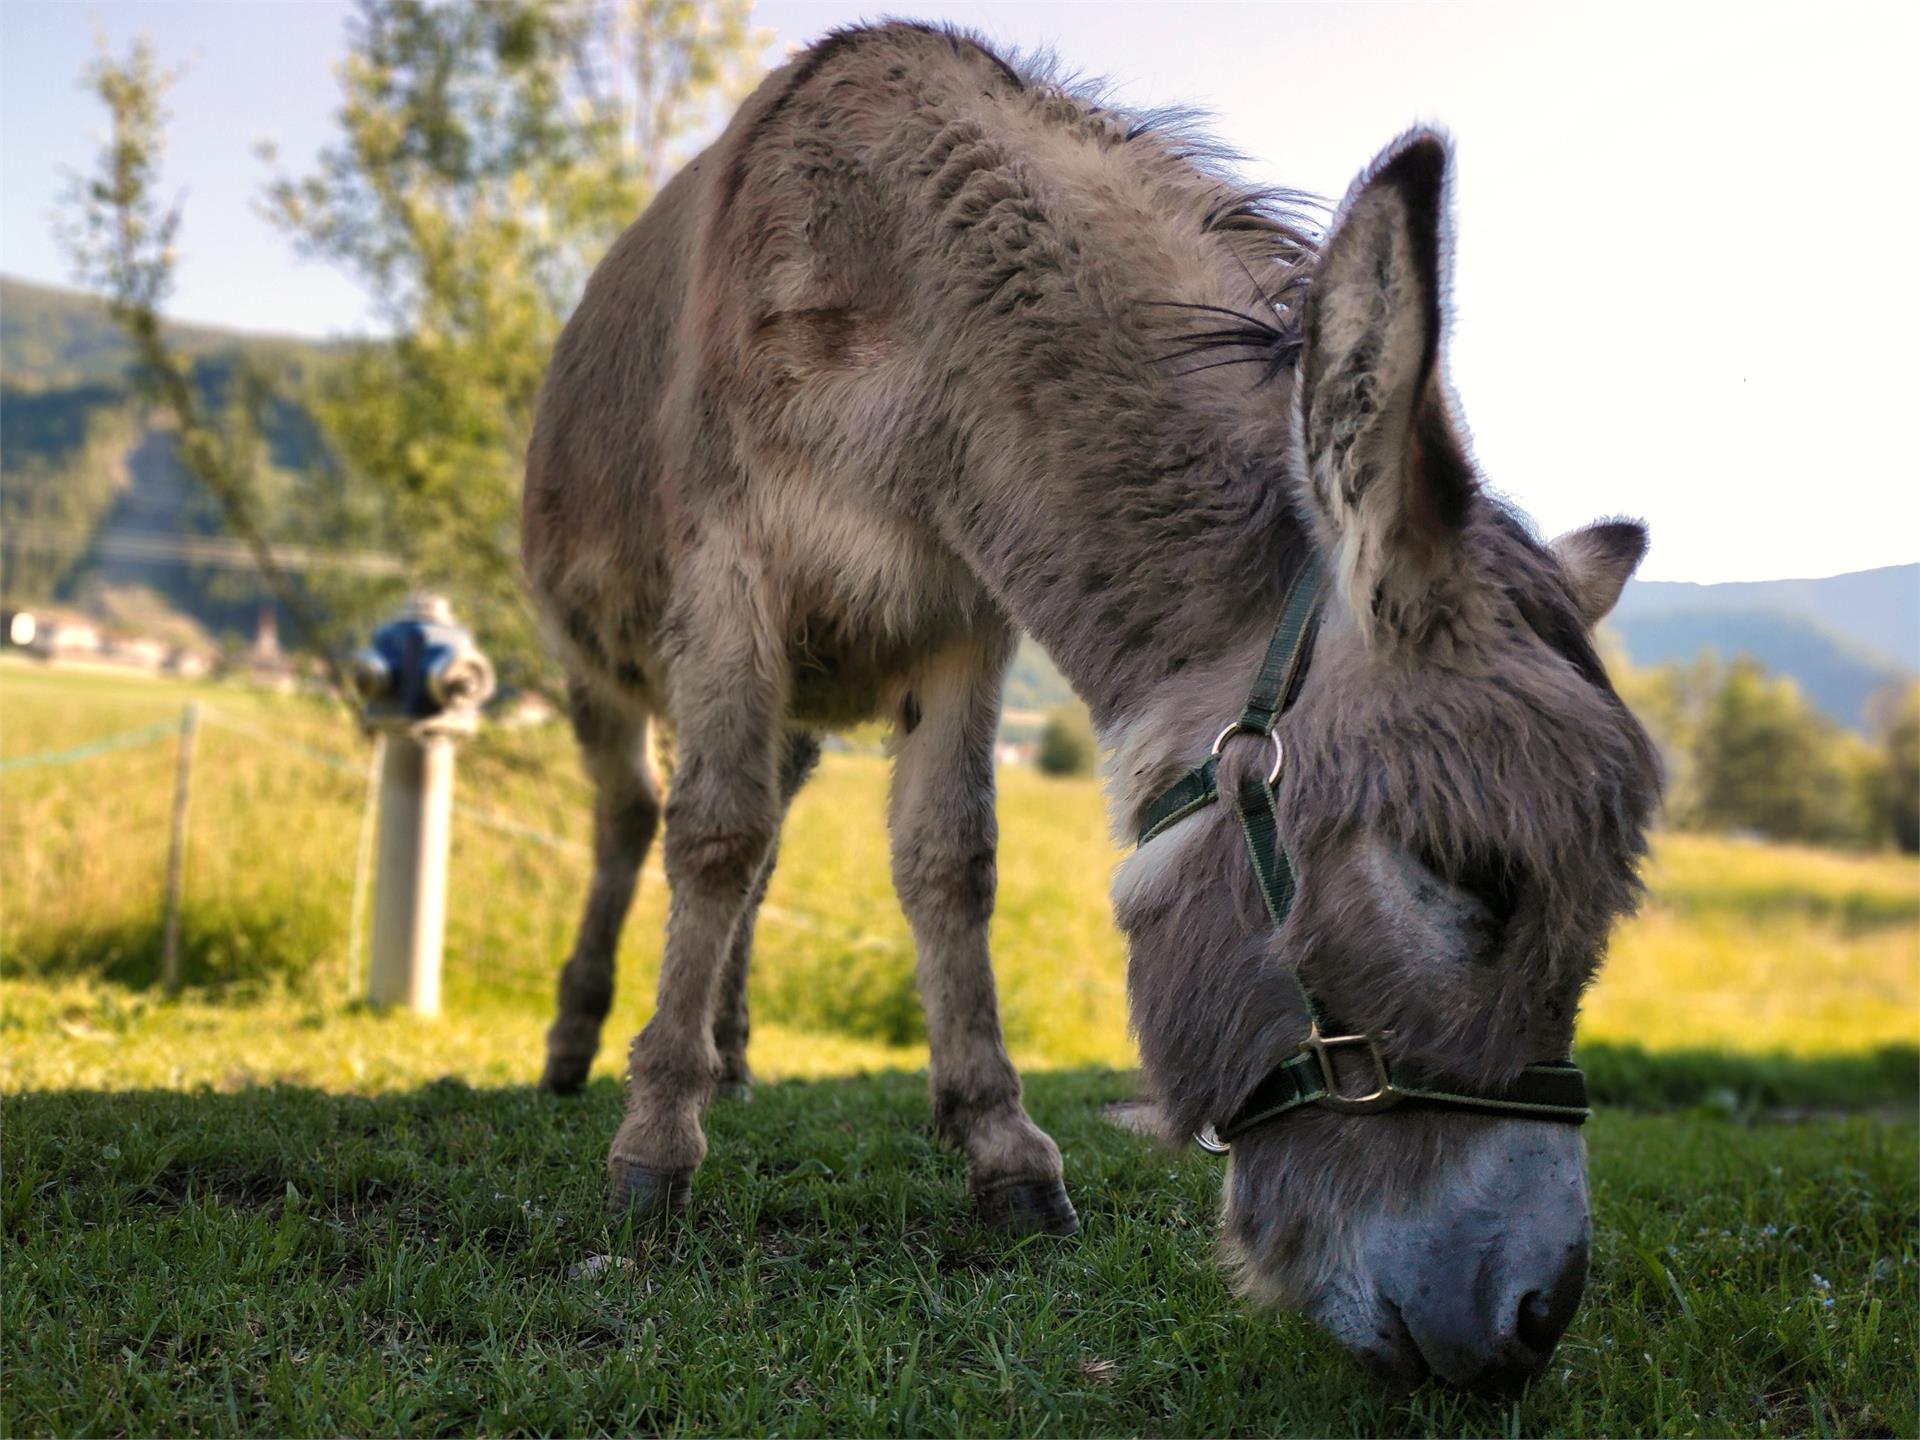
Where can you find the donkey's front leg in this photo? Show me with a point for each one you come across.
(942, 820)
(722, 814)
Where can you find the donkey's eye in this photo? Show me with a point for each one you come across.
(1490, 881)
(1494, 883)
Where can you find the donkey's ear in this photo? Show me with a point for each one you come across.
(1599, 560)
(1387, 479)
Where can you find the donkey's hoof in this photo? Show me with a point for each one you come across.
(1028, 1207)
(649, 1194)
(736, 1081)
(565, 1074)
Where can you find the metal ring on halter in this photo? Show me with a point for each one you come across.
(1210, 1142)
(1279, 750)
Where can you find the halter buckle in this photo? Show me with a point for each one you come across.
(1279, 750)
(1208, 1139)
(1383, 1095)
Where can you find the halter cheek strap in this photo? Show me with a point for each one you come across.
(1310, 1075)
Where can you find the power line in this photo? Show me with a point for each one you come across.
(212, 551)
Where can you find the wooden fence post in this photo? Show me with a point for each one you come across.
(177, 846)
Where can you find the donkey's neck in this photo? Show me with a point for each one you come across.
(1089, 307)
(1169, 730)
(1175, 602)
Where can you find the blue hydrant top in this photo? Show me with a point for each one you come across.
(422, 667)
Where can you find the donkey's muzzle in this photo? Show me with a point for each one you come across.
(1497, 1286)
(1495, 1349)
(1477, 1287)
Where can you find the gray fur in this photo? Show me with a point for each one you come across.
(925, 348)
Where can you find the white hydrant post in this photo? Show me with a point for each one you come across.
(423, 683)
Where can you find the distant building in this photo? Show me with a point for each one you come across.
(266, 638)
(190, 664)
(66, 637)
(138, 653)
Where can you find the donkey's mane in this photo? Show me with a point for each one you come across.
(1273, 231)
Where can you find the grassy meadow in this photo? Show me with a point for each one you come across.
(261, 1207)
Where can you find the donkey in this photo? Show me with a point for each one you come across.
(928, 347)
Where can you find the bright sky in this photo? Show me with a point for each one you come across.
(1685, 282)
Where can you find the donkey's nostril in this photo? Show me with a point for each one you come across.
(1537, 1327)
(1545, 1314)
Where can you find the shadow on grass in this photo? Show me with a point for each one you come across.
(1852, 913)
(228, 951)
(1626, 1075)
(844, 1123)
(440, 1261)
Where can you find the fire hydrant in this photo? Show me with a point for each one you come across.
(423, 682)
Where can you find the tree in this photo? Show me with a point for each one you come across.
(489, 152)
(120, 238)
(1900, 779)
(1067, 744)
(1765, 761)
(1672, 702)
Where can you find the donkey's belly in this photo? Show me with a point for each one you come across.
(839, 680)
(850, 664)
(867, 595)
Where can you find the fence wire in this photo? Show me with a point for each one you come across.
(125, 740)
(208, 832)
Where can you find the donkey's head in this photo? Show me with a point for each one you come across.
(1463, 799)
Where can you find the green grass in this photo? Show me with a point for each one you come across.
(262, 1208)
(284, 1260)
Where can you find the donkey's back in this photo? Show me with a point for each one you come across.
(742, 403)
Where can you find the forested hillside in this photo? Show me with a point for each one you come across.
(81, 455)
(56, 340)
(1840, 676)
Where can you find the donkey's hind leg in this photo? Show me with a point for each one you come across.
(730, 1025)
(722, 810)
(944, 832)
(626, 812)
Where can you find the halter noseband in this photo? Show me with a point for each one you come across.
(1308, 1076)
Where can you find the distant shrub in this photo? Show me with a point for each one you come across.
(856, 985)
(1765, 761)
(1900, 778)
(1744, 751)
(1067, 746)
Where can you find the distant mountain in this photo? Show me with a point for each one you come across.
(1841, 638)
(82, 456)
(1878, 610)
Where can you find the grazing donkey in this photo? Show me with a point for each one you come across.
(927, 347)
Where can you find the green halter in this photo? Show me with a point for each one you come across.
(1308, 1077)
